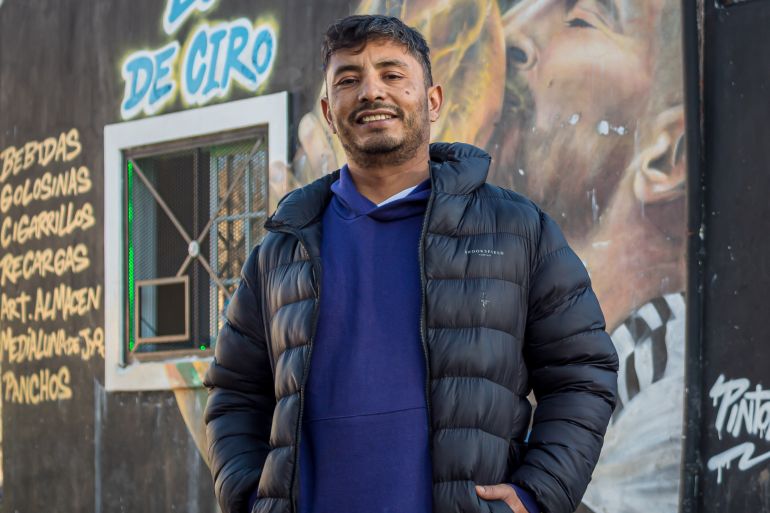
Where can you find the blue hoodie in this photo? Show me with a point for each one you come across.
(365, 439)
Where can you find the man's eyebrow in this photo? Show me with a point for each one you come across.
(345, 68)
(391, 63)
(385, 63)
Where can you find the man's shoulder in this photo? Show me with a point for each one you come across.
(508, 202)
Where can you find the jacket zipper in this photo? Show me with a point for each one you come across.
(423, 313)
(316, 275)
(298, 428)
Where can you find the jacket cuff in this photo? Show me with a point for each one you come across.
(526, 498)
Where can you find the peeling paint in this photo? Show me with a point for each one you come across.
(604, 128)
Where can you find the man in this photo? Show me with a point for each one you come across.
(591, 126)
(378, 353)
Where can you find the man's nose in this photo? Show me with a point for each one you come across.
(527, 26)
(370, 89)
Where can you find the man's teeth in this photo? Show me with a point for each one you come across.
(376, 117)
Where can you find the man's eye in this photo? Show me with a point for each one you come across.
(392, 76)
(346, 81)
(579, 23)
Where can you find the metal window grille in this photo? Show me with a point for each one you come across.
(194, 211)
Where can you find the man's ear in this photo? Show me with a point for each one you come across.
(661, 170)
(327, 111)
(435, 100)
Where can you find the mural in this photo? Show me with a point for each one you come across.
(580, 103)
(1, 437)
(213, 58)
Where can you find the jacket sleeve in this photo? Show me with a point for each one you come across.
(241, 396)
(573, 368)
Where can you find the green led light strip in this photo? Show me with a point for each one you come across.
(130, 267)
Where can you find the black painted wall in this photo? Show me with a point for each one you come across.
(729, 404)
(60, 69)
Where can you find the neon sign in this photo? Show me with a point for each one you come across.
(213, 58)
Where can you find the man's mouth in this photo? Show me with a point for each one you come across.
(376, 117)
(371, 117)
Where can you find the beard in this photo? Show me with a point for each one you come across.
(572, 173)
(383, 148)
(570, 170)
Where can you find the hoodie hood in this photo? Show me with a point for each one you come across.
(350, 203)
(456, 168)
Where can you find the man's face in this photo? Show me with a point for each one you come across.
(579, 74)
(378, 103)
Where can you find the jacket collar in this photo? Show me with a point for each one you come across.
(456, 168)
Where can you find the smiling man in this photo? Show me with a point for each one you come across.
(385, 335)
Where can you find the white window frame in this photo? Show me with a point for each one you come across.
(271, 110)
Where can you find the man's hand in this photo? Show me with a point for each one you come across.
(502, 492)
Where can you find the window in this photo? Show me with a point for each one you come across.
(193, 212)
(190, 191)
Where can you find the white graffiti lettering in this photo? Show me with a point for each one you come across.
(740, 412)
(745, 450)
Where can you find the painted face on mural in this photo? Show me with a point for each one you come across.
(579, 75)
(378, 103)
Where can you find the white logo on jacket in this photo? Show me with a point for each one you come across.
(484, 252)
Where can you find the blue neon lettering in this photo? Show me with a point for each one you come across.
(197, 47)
(264, 38)
(136, 92)
(239, 38)
(216, 40)
(162, 69)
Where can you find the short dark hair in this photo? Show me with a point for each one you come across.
(353, 32)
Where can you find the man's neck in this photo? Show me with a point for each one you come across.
(378, 183)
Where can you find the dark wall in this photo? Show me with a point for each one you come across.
(731, 417)
(83, 449)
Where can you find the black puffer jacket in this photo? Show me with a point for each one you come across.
(507, 308)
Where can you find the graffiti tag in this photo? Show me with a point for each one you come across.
(225, 53)
(740, 412)
(177, 11)
(213, 58)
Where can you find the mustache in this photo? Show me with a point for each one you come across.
(375, 106)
